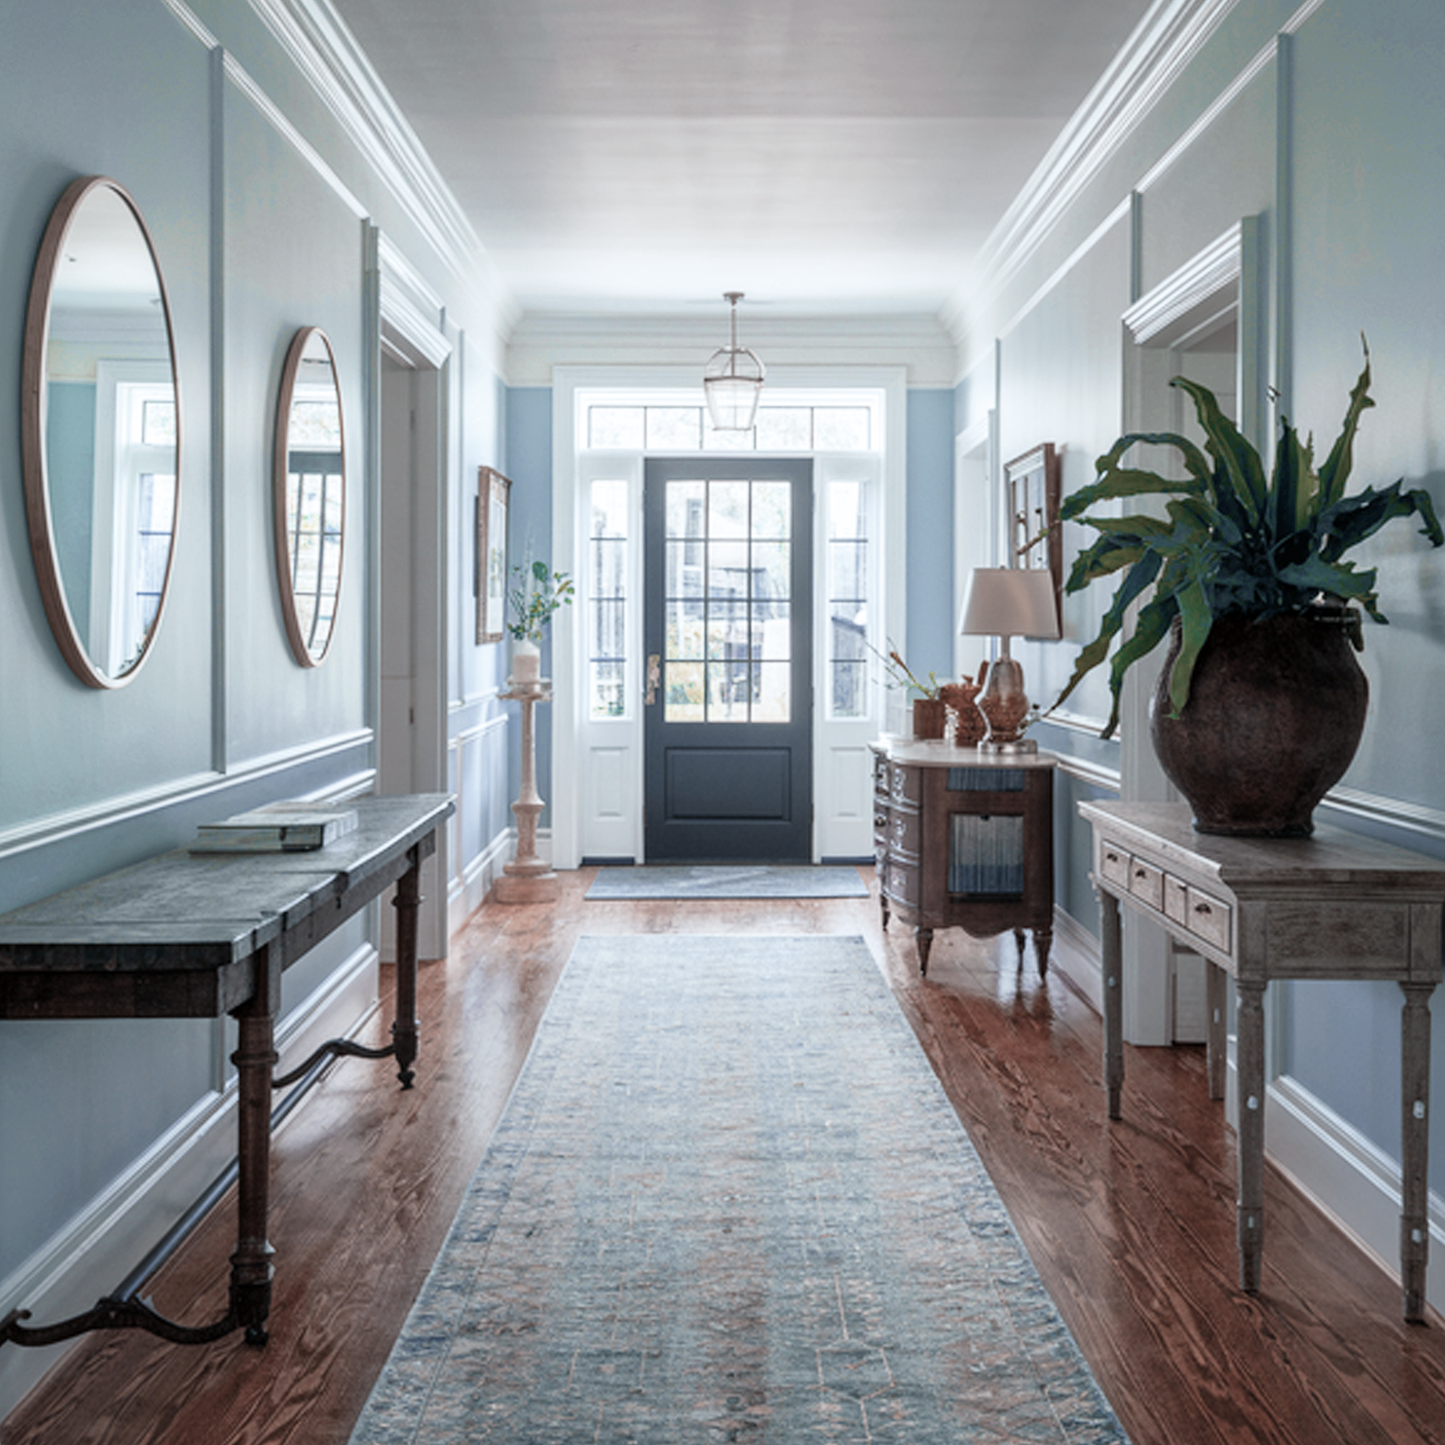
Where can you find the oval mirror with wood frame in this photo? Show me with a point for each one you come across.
(100, 431)
(310, 493)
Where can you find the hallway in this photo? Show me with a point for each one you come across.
(1131, 1225)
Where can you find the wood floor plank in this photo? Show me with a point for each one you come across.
(1131, 1224)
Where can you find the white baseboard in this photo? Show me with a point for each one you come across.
(1078, 958)
(89, 1255)
(470, 891)
(1347, 1176)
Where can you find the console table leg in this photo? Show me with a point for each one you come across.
(1251, 1134)
(1216, 1048)
(1415, 1139)
(923, 942)
(1043, 941)
(407, 902)
(1112, 956)
(255, 1059)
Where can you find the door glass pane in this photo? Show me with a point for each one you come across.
(683, 570)
(773, 639)
(685, 629)
(674, 428)
(845, 510)
(728, 571)
(727, 509)
(771, 571)
(685, 514)
(615, 426)
(771, 680)
(841, 428)
(682, 692)
(785, 428)
(728, 636)
(846, 578)
(605, 682)
(772, 509)
(728, 685)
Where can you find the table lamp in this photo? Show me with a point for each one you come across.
(1007, 602)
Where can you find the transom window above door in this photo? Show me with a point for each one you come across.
(686, 428)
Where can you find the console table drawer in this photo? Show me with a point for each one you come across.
(1209, 918)
(1114, 863)
(905, 831)
(1146, 883)
(906, 785)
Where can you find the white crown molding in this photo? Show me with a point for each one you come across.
(321, 47)
(1216, 268)
(1160, 49)
(918, 343)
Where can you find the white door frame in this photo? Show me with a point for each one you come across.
(569, 766)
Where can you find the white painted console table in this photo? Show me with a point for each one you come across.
(1335, 905)
(197, 935)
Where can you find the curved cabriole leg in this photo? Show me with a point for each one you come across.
(923, 942)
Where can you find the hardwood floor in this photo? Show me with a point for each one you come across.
(1130, 1224)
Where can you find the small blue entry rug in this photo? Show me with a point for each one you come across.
(743, 880)
(729, 1201)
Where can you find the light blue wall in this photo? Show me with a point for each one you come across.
(529, 464)
(930, 532)
(1352, 214)
(259, 214)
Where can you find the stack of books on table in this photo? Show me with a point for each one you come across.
(277, 828)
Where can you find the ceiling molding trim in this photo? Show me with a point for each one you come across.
(324, 51)
(1154, 57)
(280, 122)
(192, 22)
(1203, 279)
(917, 343)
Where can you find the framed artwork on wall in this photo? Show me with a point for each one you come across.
(490, 583)
(1032, 482)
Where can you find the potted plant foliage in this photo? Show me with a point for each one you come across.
(535, 595)
(1260, 704)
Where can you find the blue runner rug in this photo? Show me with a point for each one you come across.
(729, 1200)
(742, 880)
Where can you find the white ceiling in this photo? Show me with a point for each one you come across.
(822, 156)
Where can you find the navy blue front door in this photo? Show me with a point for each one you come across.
(727, 631)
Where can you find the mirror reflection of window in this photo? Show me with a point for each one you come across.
(102, 446)
(312, 503)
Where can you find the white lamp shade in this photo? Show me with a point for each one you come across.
(1010, 602)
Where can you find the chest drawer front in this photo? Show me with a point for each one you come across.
(1209, 918)
(904, 831)
(1146, 883)
(906, 784)
(902, 882)
(1114, 863)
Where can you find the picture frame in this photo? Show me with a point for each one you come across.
(490, 580)
(1033, 484)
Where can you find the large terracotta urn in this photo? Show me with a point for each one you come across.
(1275, 712)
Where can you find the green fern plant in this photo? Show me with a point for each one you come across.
(1231, 540)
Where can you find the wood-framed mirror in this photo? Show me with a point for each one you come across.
(309, 466)
(100, 429)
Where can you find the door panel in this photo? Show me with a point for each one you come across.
(727, 616)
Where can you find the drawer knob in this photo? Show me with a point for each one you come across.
(1140, 873)
(1203, 908)
(1111, 855)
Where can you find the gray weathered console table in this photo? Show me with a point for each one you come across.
(1332, 906)
(197, 935)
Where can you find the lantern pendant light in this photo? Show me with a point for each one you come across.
(733, 380)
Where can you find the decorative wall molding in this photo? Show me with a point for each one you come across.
(1096, 775)
(198, 787)
(1154, 57)
(318, 43)
(1416, 820)
(1200, 282)
(413, 315)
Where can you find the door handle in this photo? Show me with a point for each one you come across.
(654, 676)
